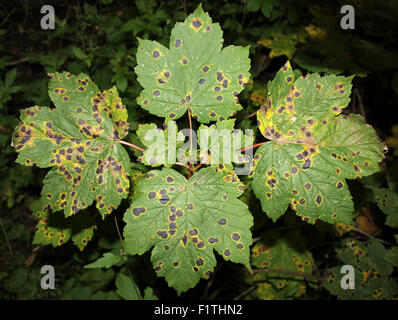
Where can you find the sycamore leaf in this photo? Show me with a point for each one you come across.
(372, 272)
(56, 230)
(185, 220)
(106, 261)
(387, 201)
(193, 73)
(277, 251)
(313, 148)
(161, 144)
(79, 139)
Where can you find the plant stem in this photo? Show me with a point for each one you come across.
(131, 145)
(370, 236)
(5, 235)
(253, 146)
(190, 142)
(143, 150)
(118, 232)
(293, 273)
(244, 293)
(183, 165)
(251, 115)
(197, 167)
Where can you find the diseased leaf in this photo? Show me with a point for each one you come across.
(313, 148)
(277, 251)
(79, 140)
(387, 201)
(106, 261)
(372, 272)
(184, 221)
(56, 230)
(193, 73)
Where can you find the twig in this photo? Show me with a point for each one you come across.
(361, 108)
(118, 232)
(256, 239)
(252, 115)
(369, 235)
(293, 273)
(5, 235)
(253, 146)
(143, 150)
(190, 142)
(131, 145)
(15, 62)
(244, 293)
(182, 165)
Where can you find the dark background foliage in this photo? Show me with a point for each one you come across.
(100, 39)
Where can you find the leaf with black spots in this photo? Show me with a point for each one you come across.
(281, 251)
(387, 201)
(313, 148)
(185, 220)
(56, 230)
(79, 140)
(194, 73)
(372, 272)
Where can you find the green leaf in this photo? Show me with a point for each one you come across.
(280, 251)
(149, 295)
(10, 77)
(79, 139)
(372, 272)
(184, 221)
(195, 73)
(161, 144)
(121, 82)
(106, 261)
(392, 256)
(126, 288)
(54, 229)
(313, 148)
(387, 201)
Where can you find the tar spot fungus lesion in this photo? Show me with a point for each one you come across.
(196, 24)
(59, 90)
(138, 211)
(177, 43)
(156, 53)
(227, 252)
(318, 200)
(222, 222)
(308, 186)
